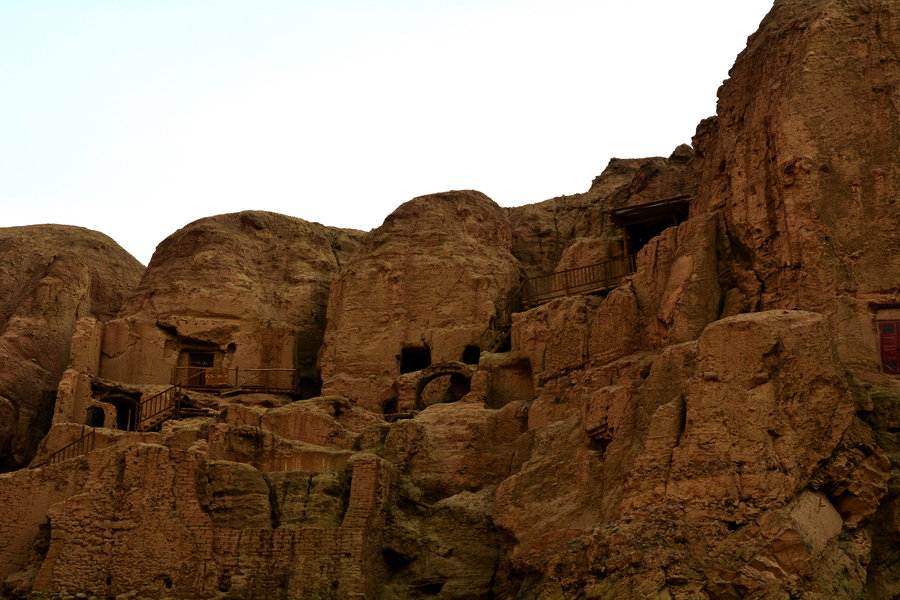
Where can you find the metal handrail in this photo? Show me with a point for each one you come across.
(580, 280)
(166, 401)
(80, 446)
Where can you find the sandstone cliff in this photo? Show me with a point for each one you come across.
(571, 231)
(715, 425)
(249, 287)
(50, 275)
(424, 285)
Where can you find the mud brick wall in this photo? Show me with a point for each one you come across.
(311, 562)
(124, 530)
(132, 519)
(25, 496)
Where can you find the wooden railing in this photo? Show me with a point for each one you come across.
(150, 412)
(261, 380)
(536, 290)
(166, 405)
(580, 280)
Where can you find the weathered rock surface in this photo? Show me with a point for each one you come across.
(727, 437)
(572, 231)
(715, 427)
(251, 287)
(424, 285)
(802, 163)
(50, 276)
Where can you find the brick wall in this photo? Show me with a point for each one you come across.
(132, 519)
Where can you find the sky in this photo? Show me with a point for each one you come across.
(137, 117)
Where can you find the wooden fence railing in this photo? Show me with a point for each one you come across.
(167, 404)
(158, 408)
(262, 380)
(150, 412)
(580, 280)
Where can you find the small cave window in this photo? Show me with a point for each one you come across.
(889, 341)
(471, 355)
(96, 416)
(201, 359)
(414, 358)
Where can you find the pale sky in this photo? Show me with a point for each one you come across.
(136, 117)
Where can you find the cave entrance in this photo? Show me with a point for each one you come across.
(441, 387)
(96, 416)
(414, 358)
(200, 366)
(471, 355)
(126, 412)
(642, 222)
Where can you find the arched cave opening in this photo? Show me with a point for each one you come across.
(442, 388)
(96, 416)
(414, 358)
(471, 354)
(126, 412)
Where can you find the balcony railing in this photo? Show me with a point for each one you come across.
(214, 378)
(581, 280)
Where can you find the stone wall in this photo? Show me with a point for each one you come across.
(136, 519)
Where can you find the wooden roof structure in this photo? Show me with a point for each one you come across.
(674, 208)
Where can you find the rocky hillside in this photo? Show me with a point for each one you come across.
(677, 385)
(50, 275)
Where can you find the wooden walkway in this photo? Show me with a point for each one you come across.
(589, 279)
(581, 280)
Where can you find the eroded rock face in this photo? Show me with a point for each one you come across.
(204, 506)
(802, 162)
(250, 288)
(50, 276)
(424, 285)
(573, 231)
(718, 446)
(715, 427)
